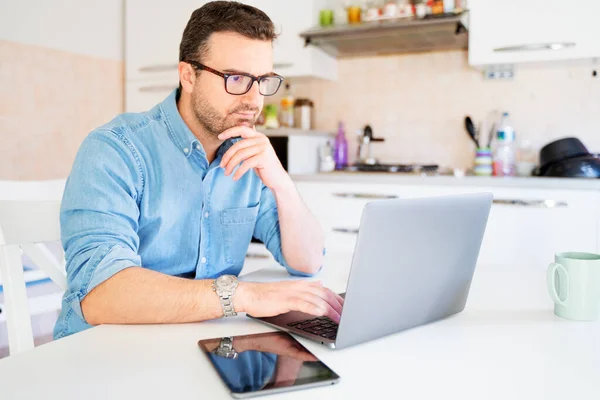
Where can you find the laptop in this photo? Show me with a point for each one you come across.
(413, 264)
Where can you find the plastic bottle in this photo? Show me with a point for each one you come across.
(341, 148)
(505, 151)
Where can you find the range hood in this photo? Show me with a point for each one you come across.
(401, 35)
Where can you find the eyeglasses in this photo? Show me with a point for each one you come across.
(240, 83)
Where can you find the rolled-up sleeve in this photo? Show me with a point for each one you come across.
(100, 211)
(267, 230)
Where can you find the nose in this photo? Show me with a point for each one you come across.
(253, 96)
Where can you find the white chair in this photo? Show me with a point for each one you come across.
(29, 216)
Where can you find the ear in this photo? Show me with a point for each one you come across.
(187, 76)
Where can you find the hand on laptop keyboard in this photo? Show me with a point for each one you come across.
(275, 298)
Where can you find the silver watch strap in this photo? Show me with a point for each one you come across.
(226, 343)
(227, 306)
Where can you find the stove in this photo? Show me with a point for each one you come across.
(395, 168)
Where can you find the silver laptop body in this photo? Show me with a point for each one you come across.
(413, 264)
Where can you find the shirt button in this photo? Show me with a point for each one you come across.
(186, 150)
(198, 147)
(205, 215)
(203, 260)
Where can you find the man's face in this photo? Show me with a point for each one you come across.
(215, 109)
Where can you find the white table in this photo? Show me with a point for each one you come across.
(507, 344)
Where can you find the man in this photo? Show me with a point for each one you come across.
(177, 192)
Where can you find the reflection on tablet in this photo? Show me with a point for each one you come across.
(255, 364)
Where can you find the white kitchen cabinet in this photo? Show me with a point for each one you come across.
(291, 58)
(153, 31)
(525, 226)
(522, 31)
(528, 226)
(338, 207)
(143, 95)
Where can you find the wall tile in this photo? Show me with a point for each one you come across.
(49, 101)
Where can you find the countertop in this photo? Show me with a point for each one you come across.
(507, 344)
(413, 179)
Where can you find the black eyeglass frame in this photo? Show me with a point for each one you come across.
(226, 76)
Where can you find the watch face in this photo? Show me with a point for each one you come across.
(227, 282)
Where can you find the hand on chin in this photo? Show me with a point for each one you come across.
(253, 152)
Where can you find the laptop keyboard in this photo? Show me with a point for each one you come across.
(320, 326)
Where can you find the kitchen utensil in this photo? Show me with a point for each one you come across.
(562, 149)
(568, 158)
(575, 167)
(366, 157)
(491, 134)
(490, 124)
(470, 127)
(483, 162)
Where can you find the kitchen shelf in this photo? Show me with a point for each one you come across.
(401, 35)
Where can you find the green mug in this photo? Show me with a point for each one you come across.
(574, 285)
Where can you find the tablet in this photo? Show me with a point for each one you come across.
(265, 363)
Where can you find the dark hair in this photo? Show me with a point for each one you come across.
(223, 16)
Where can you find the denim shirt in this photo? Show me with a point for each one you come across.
(142, 193)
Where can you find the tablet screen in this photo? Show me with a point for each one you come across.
(265, 361)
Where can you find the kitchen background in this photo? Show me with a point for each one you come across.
(418, 104)
(69, 66)
(62, 74)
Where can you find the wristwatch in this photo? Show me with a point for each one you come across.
(225, 286)
(226, 349)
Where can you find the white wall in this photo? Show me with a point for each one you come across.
(88, 27)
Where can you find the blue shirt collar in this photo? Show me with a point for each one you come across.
(183, 137)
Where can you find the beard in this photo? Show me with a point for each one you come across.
(214, 122)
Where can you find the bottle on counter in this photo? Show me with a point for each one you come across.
(505, 150)
(341, 148)
(271, 121)
(286, 111)
(326, 162)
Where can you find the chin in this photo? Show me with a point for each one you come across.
(245, 122)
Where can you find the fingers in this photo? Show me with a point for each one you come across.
(246, 166)
(238, 131)
(326, 295)
(332, 297)
(242, 144)
(339, 298)
(241, 155)
(313, 304)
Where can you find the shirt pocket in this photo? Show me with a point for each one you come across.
(238, 227)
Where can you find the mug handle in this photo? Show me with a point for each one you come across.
(551, 281)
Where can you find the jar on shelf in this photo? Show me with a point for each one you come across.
(303, 114)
